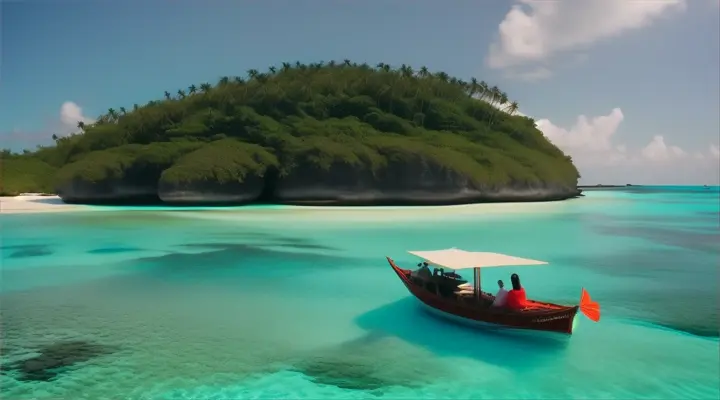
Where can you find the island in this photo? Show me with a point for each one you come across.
(338, 133)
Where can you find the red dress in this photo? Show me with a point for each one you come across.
(516, 299)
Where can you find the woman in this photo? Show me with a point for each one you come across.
(516, 298)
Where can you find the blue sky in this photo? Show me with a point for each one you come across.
(658, 66)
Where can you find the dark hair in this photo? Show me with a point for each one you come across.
(515, 279)
(501, 283)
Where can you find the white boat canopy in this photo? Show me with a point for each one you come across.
(456, 259)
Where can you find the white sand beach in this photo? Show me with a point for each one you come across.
(38, 203)
(33, 203)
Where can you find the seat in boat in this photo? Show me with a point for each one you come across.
(466, 286)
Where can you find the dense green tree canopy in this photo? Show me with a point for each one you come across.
(323, 113)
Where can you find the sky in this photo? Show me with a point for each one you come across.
(629, 88)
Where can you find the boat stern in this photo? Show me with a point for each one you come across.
(561, 321)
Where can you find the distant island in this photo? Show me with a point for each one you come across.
(337, 133)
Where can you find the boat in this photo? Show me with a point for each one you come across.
(451, 296)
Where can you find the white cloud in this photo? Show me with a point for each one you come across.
(535, 30)
(532, 75)
(586, 135)
(658, 151)
(714, 151)
(601, 158)
(70, 115)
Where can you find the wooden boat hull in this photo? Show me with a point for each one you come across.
(546, 317)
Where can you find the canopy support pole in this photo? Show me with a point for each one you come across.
(477, 288)
(475, 282)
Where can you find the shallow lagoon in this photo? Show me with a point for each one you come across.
(299, 303)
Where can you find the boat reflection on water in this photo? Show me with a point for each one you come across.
(405, 320)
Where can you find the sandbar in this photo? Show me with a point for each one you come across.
(34, 203)
(373, 215)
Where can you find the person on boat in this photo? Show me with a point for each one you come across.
(516, 298)
(452, 275)
(423, 271)
(501, 296)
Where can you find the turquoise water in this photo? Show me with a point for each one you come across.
(280, 303)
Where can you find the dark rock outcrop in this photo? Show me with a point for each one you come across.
(420, 183)
(125, 175)
(208, 192)
(136, 184)
(111, 191)
(223, 172)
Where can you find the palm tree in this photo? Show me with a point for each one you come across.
(424, 73)
(474, 87)
(463, 85)
(252, 73)
(503, 98)
(123, 111)
(192, 89)
(135, 107)
(484, 89)
(239, 80)
(272, 70)
(54, 137)
(286, 66)
(224, 81)
(406, 71)
(494, 94)
(181, 93)
(112, 114)
(512, 108)
(205, 87)
(347, 62)
(331, 63)
(167, 95)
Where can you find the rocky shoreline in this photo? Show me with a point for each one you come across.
(322, 197)
(412, 182)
